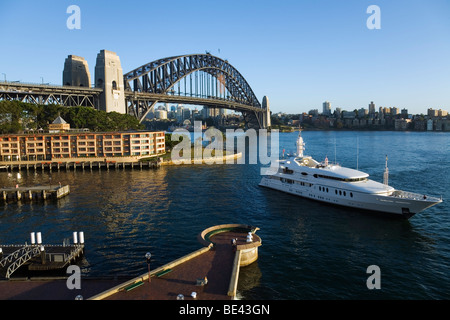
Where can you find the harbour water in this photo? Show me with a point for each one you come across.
(309, 250)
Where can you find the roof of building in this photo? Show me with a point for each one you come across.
(59, 120)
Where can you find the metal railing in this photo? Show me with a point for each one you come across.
(19, 258)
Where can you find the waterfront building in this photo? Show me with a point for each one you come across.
(314, 112)
(404, 113)
(442, 113)
(65, 145)
(402, 124)
(61, 142)
(362, 112)
(348, 114)
(432, 112)
(161, 114)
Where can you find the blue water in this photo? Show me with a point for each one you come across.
(310, 250)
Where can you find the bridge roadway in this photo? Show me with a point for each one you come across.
(48, 94)
(173, 98)
(217, 263)
(74, 96)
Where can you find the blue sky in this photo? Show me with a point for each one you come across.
(298, 53)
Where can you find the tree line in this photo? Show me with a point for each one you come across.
(17, 117)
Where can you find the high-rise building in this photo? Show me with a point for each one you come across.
(442, 113)
(371, 108)
(326, 108)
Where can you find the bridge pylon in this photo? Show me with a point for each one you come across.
(109, 77)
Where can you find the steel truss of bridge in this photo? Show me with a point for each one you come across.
(50, 94)
(196, 79)
(201, 79)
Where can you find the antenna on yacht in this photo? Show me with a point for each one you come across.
(300, 143)
(386, 173)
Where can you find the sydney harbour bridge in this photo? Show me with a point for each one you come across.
(194, 79)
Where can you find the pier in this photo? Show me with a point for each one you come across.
(72, 165)
(38, 257)
(36, 193)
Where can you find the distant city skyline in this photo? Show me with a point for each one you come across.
(298, 53)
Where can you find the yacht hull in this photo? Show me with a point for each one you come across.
(393, 205)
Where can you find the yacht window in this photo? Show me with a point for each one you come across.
(351, 194)
(345, 194)
(287, 170)
(339, 179)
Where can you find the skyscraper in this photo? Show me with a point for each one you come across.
(371, 108)
(326, 108)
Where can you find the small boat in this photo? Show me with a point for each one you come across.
(331, 183)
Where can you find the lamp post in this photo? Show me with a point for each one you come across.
(148, 255)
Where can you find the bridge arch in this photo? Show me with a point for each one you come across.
(222, 85)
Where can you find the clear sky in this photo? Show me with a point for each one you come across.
(298, 53)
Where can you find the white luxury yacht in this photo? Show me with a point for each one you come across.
(303, 176)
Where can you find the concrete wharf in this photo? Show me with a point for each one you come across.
(36, 193)
(209, 273)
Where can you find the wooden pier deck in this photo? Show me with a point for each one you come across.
(78, 164)
(35, 193)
